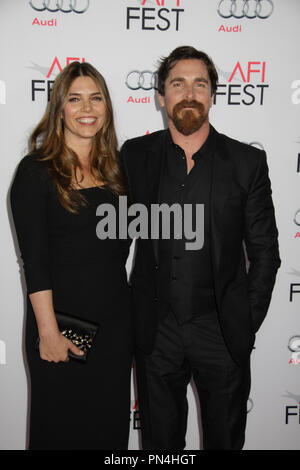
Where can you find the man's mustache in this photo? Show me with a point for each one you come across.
(188, 104)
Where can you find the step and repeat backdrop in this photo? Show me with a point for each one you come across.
(255, 46)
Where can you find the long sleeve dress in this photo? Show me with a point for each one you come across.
(74, 405)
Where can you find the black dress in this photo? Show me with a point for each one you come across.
(74, 405)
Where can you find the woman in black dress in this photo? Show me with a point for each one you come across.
(71, 169)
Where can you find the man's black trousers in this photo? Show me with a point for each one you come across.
(193, 349)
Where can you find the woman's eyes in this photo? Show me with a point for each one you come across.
(75, 99)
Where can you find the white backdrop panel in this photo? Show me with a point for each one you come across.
(257, 102)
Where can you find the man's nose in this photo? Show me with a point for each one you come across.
(189, 92)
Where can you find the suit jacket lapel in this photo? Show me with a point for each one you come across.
(220, 188)
(155, 163)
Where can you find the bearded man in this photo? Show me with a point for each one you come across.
(197, 311)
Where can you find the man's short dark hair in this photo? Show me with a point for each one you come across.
(181, 53)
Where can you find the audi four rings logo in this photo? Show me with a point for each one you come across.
(246, 9)
(297, 217)
(77, 6)
(294, 344)
(144, 80)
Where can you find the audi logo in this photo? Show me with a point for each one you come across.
(294, 344)
(144, 80)
(65, 6)
(297, 216)
(245, 9)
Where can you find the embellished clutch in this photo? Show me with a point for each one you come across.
(80, 332)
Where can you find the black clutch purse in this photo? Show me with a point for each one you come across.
(80, 332)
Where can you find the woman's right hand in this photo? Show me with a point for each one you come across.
(55, 347)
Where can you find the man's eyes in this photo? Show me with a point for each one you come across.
(197, 84)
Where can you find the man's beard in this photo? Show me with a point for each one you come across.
(189, 122)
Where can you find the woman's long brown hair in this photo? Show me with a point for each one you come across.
(48, 141)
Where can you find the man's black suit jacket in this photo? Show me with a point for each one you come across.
(242, 216)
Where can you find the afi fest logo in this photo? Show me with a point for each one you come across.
(2, 353)
(294, 286)
(245, 84)
(151, 15)
(45, 86)
(292, 412)
(2, 92)
(135, 415)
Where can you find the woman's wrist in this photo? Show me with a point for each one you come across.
(48, 332)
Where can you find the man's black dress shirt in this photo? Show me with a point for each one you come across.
(185, 276)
